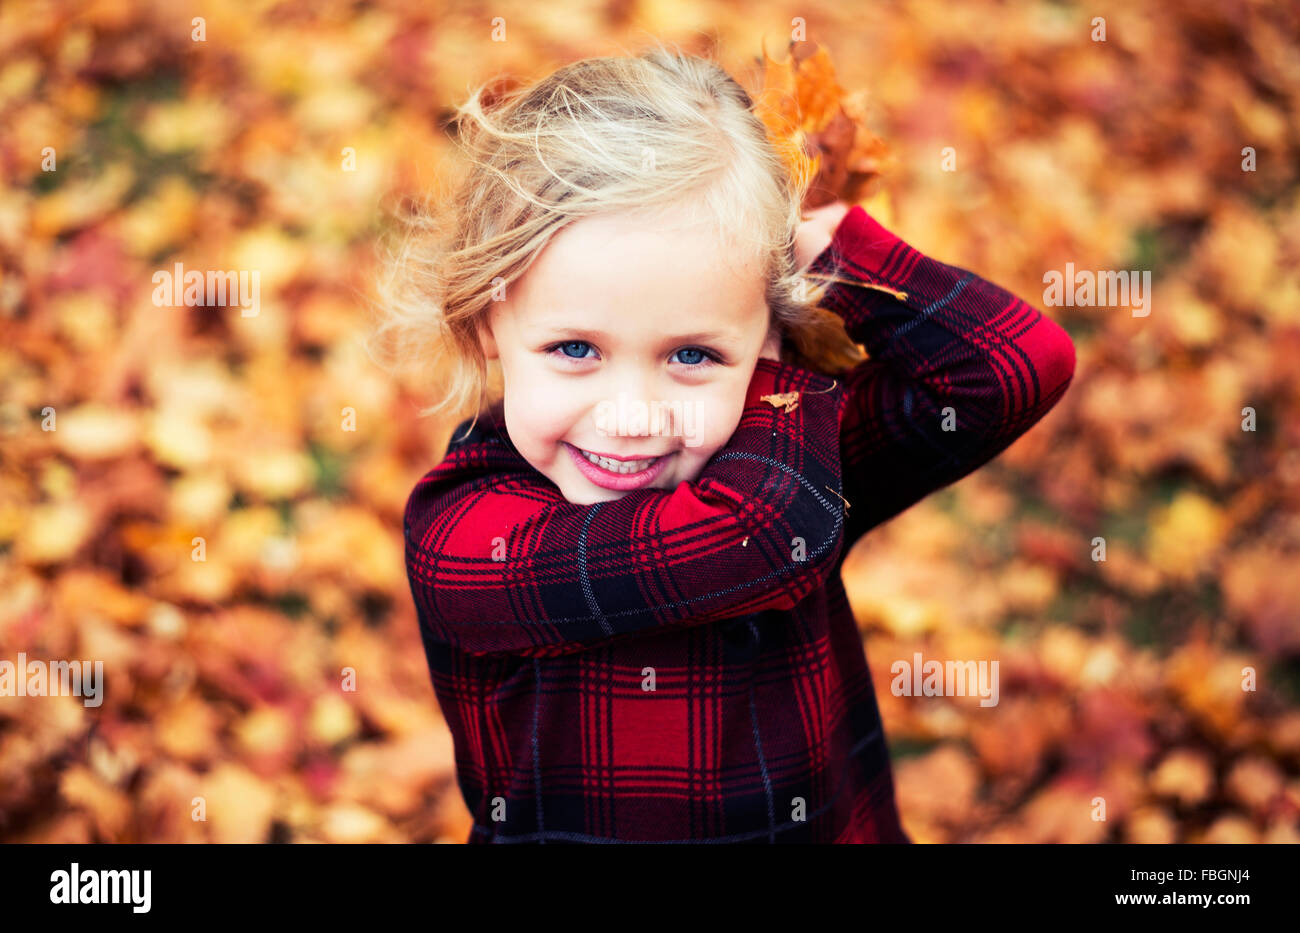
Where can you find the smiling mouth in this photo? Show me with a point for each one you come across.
(618, 466)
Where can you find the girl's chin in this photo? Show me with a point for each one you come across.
(577, 492)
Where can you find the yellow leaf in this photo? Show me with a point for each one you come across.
(332, 719)
(54, 532)
(1186, 535)
(95, 432)
(77, 203)
(239, 804)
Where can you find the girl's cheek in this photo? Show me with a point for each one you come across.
(691, 467)
(541, 426)
(721, 423)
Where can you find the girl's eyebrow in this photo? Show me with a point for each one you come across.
(596, 336)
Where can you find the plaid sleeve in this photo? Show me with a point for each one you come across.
(958, 368)
(499, 562)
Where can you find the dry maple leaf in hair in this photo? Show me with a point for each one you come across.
(819, 130)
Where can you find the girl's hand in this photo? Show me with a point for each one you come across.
(817, 230)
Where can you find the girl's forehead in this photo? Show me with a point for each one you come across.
(633, 233)
(619, 262)
(601, 311)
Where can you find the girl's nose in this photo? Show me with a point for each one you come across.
(659, 421)
(644, 412)
(650, 417)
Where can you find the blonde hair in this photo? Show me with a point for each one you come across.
(639, 134)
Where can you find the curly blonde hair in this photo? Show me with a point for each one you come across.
(640, 134)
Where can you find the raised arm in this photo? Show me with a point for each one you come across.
(958, 369)
(500, 562)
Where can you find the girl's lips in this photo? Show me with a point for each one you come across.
(619, 482)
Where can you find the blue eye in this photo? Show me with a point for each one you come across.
(569, 344)
(703, 358)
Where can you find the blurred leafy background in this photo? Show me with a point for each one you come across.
(1120, 679)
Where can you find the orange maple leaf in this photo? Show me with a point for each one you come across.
(818, 129)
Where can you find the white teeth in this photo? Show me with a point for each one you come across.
(618, 466)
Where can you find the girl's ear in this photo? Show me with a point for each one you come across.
(487, 341)
(772, 346)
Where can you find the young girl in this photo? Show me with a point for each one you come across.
(627, 567)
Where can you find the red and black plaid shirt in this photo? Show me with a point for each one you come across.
(682, 665)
